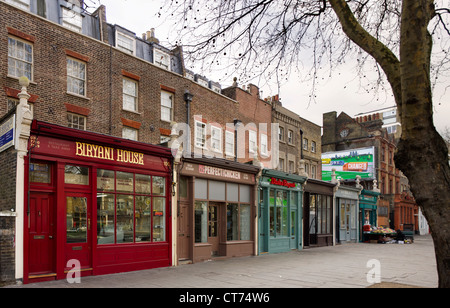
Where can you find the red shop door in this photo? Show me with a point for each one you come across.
(78, 231)
(41, 257)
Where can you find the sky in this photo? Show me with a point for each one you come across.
(341, 92)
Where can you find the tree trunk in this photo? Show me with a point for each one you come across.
(422, 154)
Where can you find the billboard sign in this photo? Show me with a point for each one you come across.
(7, 133)
(349, 164)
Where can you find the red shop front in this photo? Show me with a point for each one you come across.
(94, 204)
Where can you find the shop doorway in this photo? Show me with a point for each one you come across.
(213, 231)
(41, 224)
(78, 245)
(184, 232)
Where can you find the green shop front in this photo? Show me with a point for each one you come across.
(280, 212)
(367, 210)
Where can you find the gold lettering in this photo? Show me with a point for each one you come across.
(79, 149)
(95, 148)
(141, 159)
(101, 152)
(119, 155)
(109, 154)
(89, 150)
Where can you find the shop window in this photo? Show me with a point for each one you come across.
(201, 222)
(278, 209)
(20, 58)
(320, 214)
(238, 222)
(131, 208)
(40, 173)
(76, 175)
(76, 217)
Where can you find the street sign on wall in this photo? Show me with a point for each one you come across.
(349, 164)
(7, 129)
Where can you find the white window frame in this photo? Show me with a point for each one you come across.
(313, 146)
(305, 144)
(72, 20)
(71, 123)
(264, 141)
(123, 38)
(167, 97)
(252, 140)
(290, 136)
(281, 133)
(216, 139)
(229, 143)
(20, 62)
(200, 128)
(71, 77)
(161, 58)
(128, 96)
(23, 4)
(130, 133)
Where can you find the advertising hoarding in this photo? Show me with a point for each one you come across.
(349, 164)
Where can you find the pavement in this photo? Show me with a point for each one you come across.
(357, 265)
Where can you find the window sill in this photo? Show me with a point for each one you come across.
(132, 111)
(79, 96)
(17, 78)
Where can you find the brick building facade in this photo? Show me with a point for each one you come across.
(92, 76)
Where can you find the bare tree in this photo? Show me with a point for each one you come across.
(406, 42)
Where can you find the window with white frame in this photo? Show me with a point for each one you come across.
(290, 137)
(216, 139)
(23, 4)
(125, 43)
(313, 171)
(166, 106)
(252, 142)
(76, 121)
(76, 77)
(20, 58)
(130, 133)
(161, 59)
(305, 144)
(130, 95)
(200, 134)
(264, 144)
(281, 133)
(229, 143)
(72, 20)
(313, 146)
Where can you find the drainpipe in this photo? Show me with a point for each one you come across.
(236, 123)
(188, 99)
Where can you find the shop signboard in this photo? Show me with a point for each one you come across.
(7, 130)
(349, 164)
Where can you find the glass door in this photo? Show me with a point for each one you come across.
(78, 229)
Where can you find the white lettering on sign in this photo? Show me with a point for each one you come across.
(219, 172)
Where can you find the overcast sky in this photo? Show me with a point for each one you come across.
(340, 93)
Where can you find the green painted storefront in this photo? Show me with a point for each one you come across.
(367, 210)
(280, 212)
